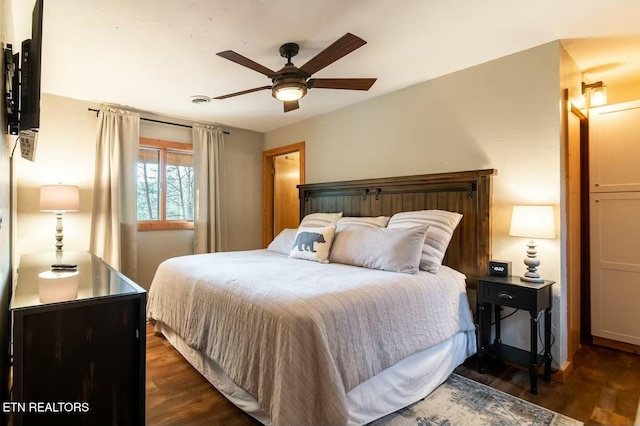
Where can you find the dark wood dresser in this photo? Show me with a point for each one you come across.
(78, 344)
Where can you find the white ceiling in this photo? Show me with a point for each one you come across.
(153, 55)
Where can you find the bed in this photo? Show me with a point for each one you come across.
(296, 342)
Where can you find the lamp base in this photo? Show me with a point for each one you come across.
(532, 280)
(532, 262)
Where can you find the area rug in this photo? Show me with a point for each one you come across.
(461, 401)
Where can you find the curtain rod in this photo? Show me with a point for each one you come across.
(159, 121)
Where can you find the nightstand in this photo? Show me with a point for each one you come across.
(514, 293)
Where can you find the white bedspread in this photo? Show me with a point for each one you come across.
(298, 335)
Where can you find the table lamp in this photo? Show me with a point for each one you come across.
(59, 199)
(532, 222)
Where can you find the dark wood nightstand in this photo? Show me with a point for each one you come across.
(514, 293)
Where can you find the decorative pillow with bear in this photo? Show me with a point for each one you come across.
(320, 219)
(283, 241)
(441, 224)
(387, 249)
(313, 243)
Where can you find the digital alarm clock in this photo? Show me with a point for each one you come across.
(499, 268)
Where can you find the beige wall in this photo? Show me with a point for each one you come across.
(503, 114)
(66, 153)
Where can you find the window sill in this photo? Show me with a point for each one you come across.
(165, 226)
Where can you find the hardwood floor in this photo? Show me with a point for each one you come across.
(178, 395)
(603, 389)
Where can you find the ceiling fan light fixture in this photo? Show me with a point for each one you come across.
(289, 90)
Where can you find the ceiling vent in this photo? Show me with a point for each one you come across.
(200, 99)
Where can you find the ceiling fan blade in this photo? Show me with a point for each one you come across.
(291, 105)
(245, 62)
(342, 47)
(341, 83)
(244, 92)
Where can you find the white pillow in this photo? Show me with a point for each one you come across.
(387, 249)
(283, 241)
(313, 243)
(372, 222)
(320, 219)
(441, 224)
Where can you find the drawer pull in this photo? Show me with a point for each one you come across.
(505, 295)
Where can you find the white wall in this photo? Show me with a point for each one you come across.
(503, 114)
(66, 153)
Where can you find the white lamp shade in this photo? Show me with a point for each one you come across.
(59, 198)
(532, 222)
(58, 286)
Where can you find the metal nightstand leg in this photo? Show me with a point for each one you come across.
(480, 312)
(533, 365)
(547, 344)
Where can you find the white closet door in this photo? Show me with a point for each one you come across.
(614, 148)
(614, 168)
(615, 266)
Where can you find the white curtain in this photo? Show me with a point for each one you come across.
(210, 222)
(114, 216)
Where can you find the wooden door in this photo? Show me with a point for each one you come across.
(574, 253)
(268, 181)
(286, 177)
(614, 156)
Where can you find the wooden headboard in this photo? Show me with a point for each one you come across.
(467, 192)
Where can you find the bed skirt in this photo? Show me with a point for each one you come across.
(404, 383)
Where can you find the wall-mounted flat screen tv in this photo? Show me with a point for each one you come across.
(30, 73)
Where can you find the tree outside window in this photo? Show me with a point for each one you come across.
(165, 198)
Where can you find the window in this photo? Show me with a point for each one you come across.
(165, 185)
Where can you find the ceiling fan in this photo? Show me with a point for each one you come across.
(291, 83)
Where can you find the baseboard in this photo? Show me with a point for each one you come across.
(562, 375)
(613, 344)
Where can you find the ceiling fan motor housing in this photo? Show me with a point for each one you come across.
(290, 83)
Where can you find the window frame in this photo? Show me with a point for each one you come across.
(162, 224)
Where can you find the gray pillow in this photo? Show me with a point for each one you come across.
(371, 222)
(387, 249)
(320, 219)
(442, 225)
(283, 241)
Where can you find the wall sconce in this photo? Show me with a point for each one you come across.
(597, 93)
(532, 222)
(59, 199)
